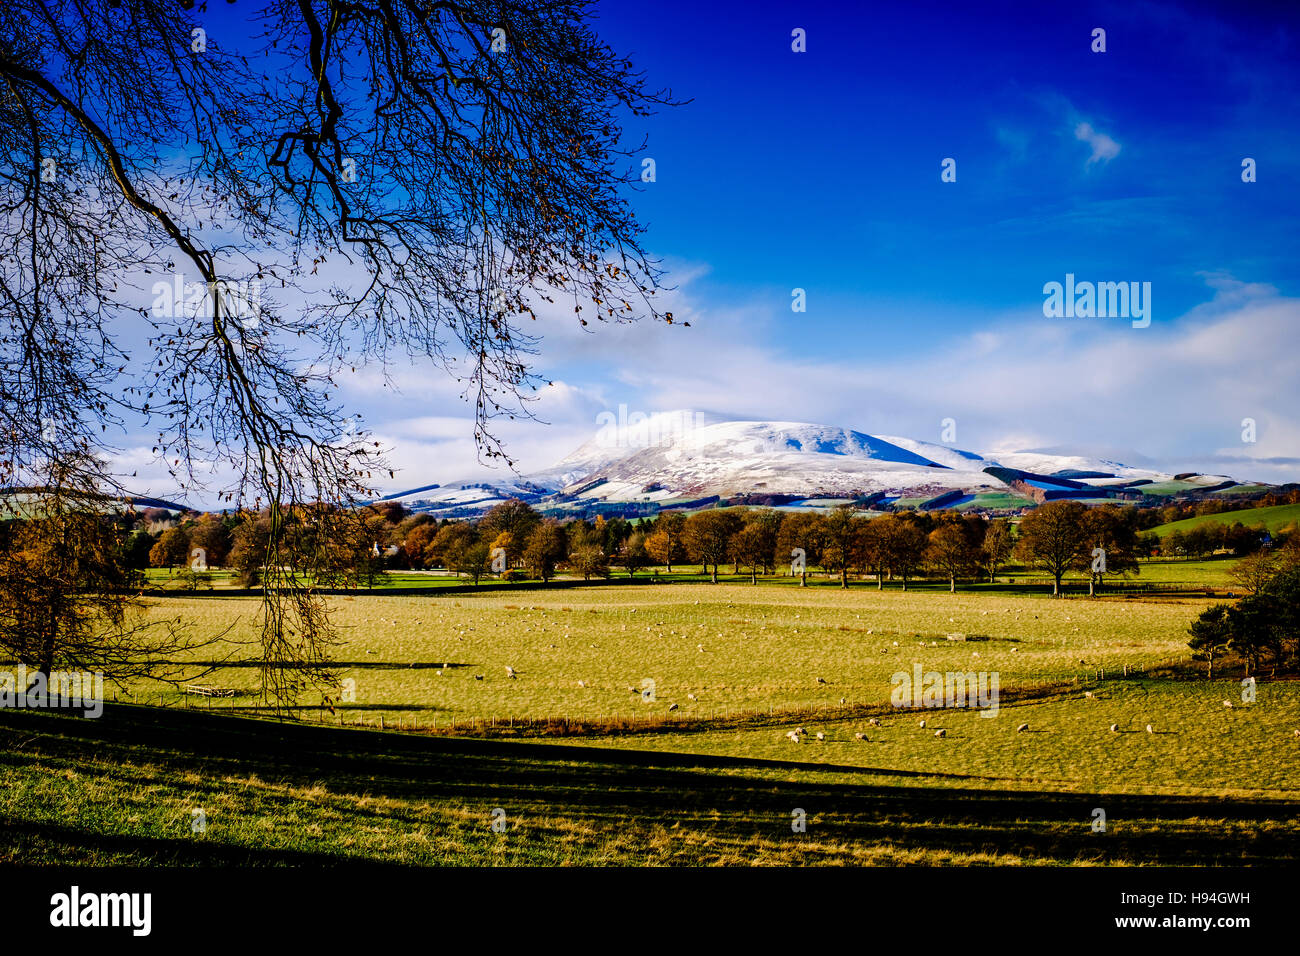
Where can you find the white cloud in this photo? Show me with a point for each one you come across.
(1104, 149)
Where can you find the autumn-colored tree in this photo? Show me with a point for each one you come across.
(801, 531)
(707, 535)
(665, 543)
(633, 555)
(589, 560)
(951, 552)
(1052, 537)
(842, 530)
(547, 546)
(417, 544)
(211, 535)
(172, 549)
(907, 543)
(1110, 544)
(750, 547)
(997, 546)
(68, 601)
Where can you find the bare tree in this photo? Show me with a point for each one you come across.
(357, 184)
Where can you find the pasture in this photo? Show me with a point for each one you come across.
(705, 773)
(585, 653)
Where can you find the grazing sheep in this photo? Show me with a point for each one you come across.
(510, 672)
(941, 732)
(874, 722)
(478, 676)
(582, 683)
(691, 697)
(794, 737)
(1087, 693)
(1150, 729)
(843, 700)
(1297, 733)
(923, 725)
(700, 648)
(672, 706)
(820, 735)
(1227, 703)
(821, 680)
(1022, 728)
(800, 730)
(1114, 728)
(859, 736)
(791, 734)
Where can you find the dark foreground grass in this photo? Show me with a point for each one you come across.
(122, 790)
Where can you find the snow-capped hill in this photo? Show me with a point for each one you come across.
(768, 438)
(791, 458)
(944, 455)
(675, 458)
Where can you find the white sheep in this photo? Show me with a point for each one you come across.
(1150, 729)
(582, 683)
(1227, 703)
(820, 735)
(1022, 728)
(843, 700)
(941, 732)
(923, 725)
(1114, 728)
(874, 722)
(821, 680)
(672, 706)
(794, 737)
(510, 672)
(859, 736)
(691, 697)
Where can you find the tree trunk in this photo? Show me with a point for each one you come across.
(715, 574)
(844, 577)
(803, 579)
(952, 585)
(753, 576)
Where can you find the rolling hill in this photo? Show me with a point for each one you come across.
(675, 460)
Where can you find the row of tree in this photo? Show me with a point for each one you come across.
(1262, 628)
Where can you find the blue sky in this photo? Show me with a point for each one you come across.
(821, 170)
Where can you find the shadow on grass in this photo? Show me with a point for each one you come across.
(731, 799)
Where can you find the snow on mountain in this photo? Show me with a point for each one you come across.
(682, 456)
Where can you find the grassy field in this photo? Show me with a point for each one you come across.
(704, 772)
(1273, 518)
(123, 790)
(584, 654)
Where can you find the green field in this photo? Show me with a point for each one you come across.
(1273, 518)
(583, 654)
(592, 772)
